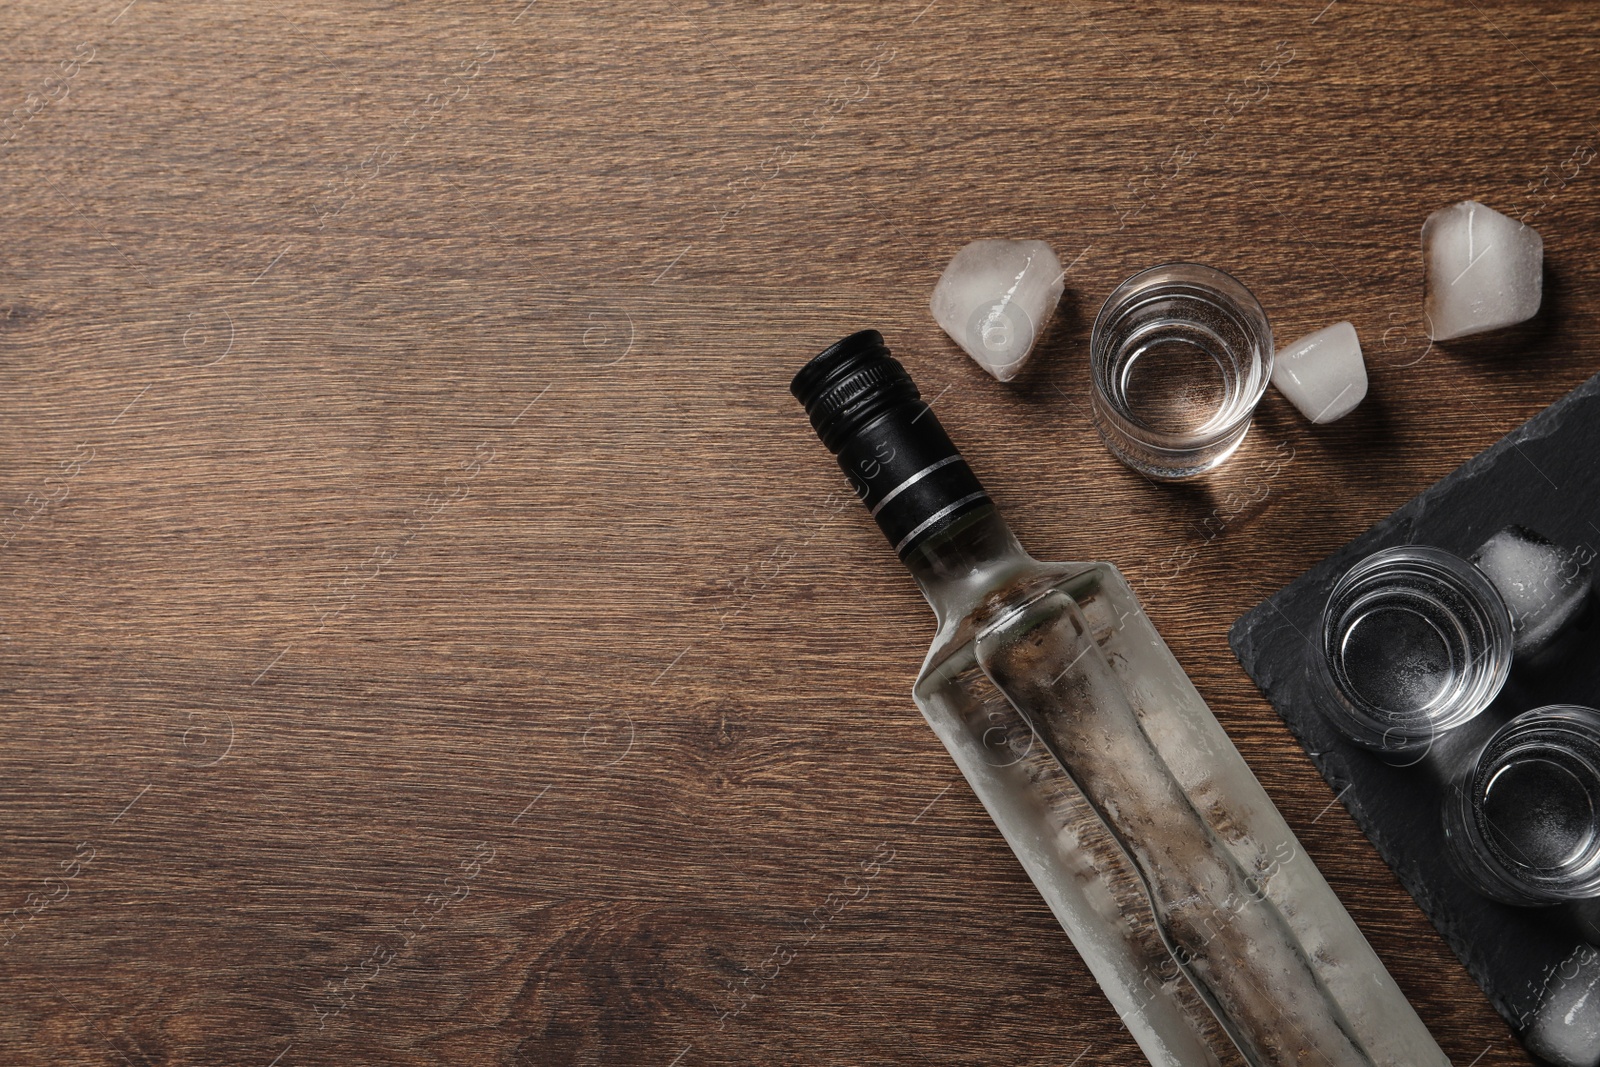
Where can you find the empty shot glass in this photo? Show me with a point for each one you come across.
(1414, 641)
(1180, 355)
(1524, 824)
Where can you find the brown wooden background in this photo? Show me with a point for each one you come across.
(427, 634)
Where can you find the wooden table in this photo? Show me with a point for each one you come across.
(431, 631)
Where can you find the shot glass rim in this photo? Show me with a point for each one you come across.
(1177, 444)
(1522, 882)
(1357, 712)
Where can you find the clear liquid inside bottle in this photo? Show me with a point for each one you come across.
(1188, 896)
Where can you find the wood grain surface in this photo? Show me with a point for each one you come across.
(430, 632)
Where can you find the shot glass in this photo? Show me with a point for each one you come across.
(1524, 824)
(1414, 641)
(1180, 355)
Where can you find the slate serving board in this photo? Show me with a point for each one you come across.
(1544, 475)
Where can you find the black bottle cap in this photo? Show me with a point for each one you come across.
(899, 460)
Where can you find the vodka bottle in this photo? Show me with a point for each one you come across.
(1206, 924)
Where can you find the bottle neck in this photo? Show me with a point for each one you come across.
(908, 474)
(959, 565)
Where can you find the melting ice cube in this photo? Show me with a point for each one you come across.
(1322, 374)
(995, 298)
(1483, 270)
(1566, 1030)
(1543, 584)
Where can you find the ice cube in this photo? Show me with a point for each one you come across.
(1322, 374)
(1543, 584)
(1566, 1029)
(1483, 270)
(995, 298)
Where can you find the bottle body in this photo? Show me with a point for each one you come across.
(1188, 896)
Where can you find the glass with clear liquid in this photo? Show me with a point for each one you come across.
(1414, 642)
(1524, 822)
(1179, 357)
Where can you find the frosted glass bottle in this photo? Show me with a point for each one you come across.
(1211, 932)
